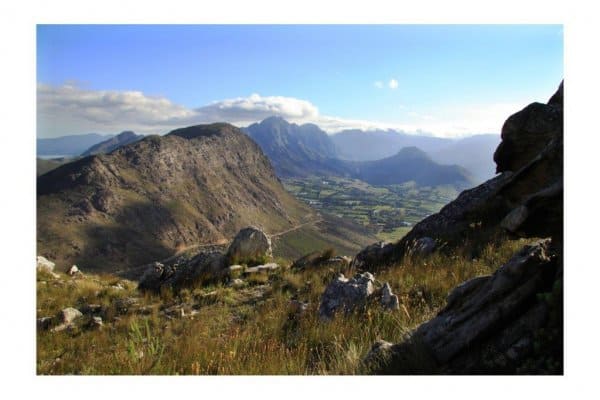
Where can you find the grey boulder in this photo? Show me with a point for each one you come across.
(249, 244)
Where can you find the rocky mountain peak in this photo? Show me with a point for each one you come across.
(197, 131)
(126, 135)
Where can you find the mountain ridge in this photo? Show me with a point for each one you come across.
(71, 145)
(112, 143)
(304, 150)
(161, 192)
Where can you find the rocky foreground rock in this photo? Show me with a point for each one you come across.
(348, 295)
(526, 196)
(250, 244)
(510, 321)
(45, 265)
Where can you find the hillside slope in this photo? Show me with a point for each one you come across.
(409, 164)
(358, 145)
(143, 201)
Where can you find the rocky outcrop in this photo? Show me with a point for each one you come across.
(68, 315)
(524, 199)
(526, 133)
(248, 245)
(183, 272)
(65, 319)
(344, 294)
(491, 323)
(348, 295)
(510, 321)
(372, 256)
(45, 265)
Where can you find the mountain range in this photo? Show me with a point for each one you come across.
(303, 150)
(296, 150)
(471, 153)
(409, 164)
(72, 145)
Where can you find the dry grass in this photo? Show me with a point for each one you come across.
(249, 330)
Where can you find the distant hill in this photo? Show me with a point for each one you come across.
(410, 164)
(303, 150)
(113, 143)
(472, 153)
(358, 145)
(72, 145)
(295, 150)
(44, 165)
(146, 200)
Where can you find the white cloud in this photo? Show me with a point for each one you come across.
(393, 84)
(378, 84)
(256, 107)
(69, 109)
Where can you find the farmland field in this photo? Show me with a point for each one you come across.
(388, 211)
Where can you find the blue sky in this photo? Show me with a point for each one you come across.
(447, 80)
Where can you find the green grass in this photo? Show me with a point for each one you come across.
(394, 235)
(249, 330)
(383, 210)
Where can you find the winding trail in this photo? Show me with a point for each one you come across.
(137, 270)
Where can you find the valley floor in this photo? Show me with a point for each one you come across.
(388, 211)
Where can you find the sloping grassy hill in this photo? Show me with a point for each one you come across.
(251, 329)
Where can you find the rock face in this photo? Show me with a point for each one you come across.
(510, 321)
(249, 244)
(490, 323)
(295, 150)
(525, 198)
(526, 133)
